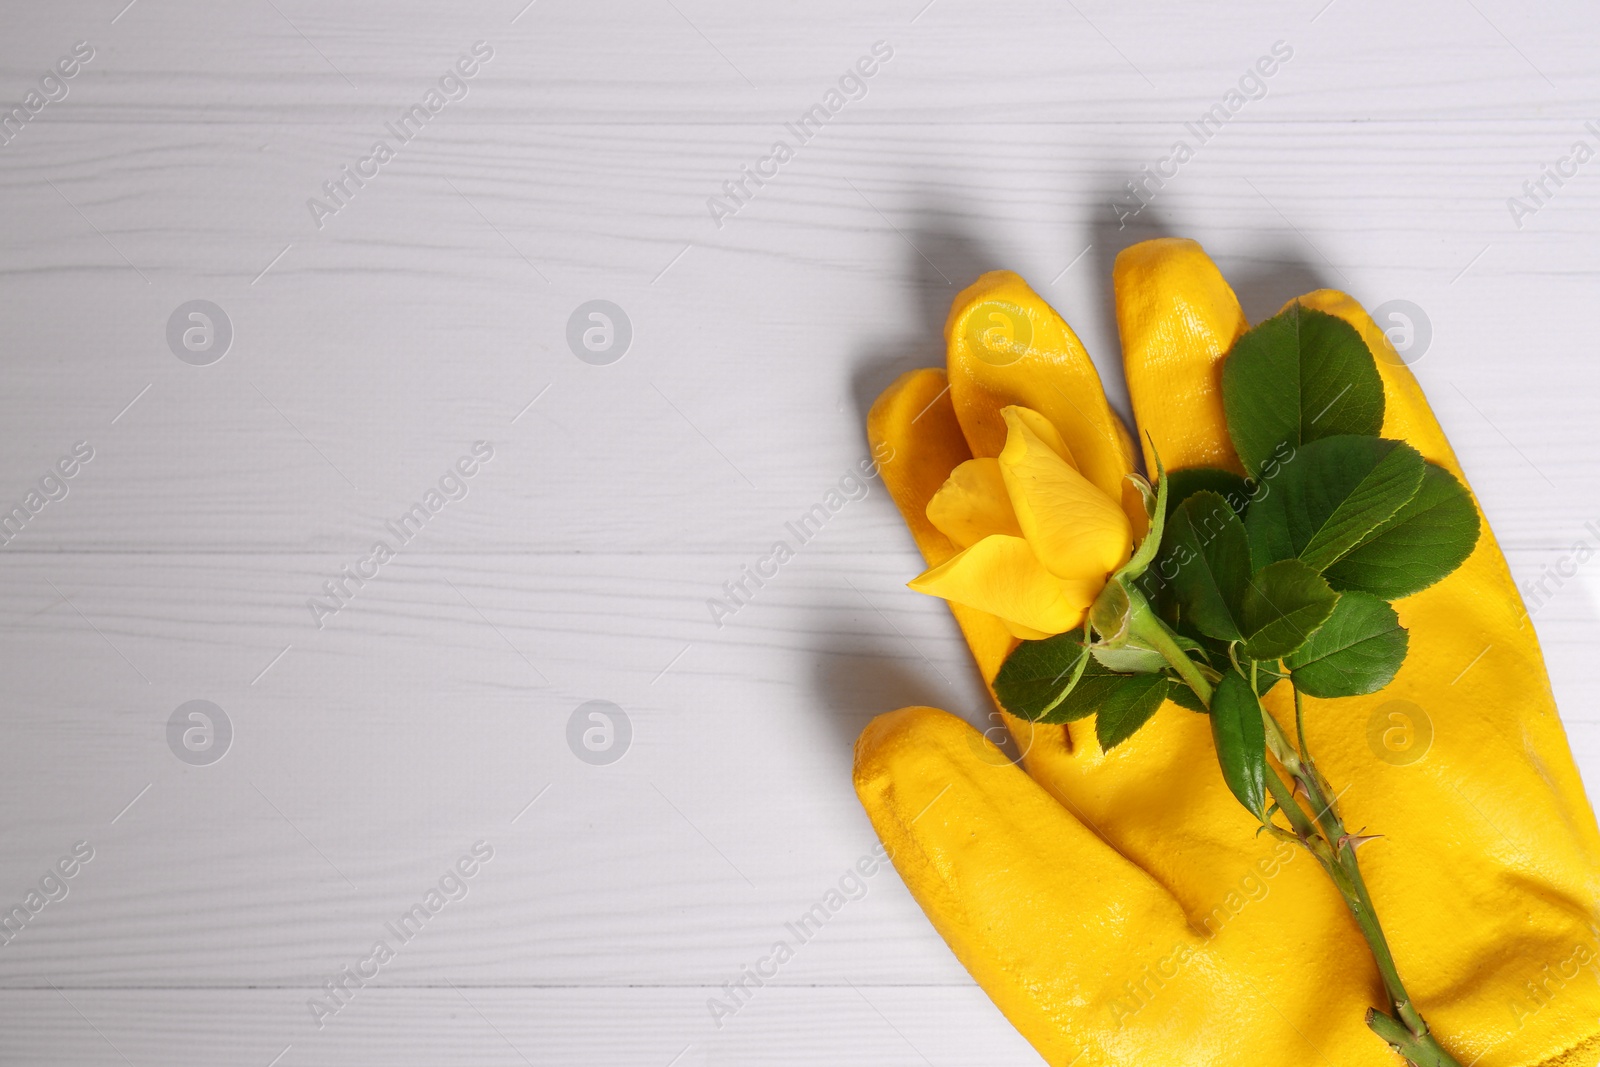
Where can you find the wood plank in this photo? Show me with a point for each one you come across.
(463, 1023)
(419, 329)
(427, 715)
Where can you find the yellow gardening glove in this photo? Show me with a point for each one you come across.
(1120, 907)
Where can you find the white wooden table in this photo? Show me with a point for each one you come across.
(373, 747)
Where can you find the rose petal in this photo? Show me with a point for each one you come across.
(972, 504)
(1008, 346)
(1076, 530)
(1002, 576)
(1044, 430)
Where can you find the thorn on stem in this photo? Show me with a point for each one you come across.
(1355, 841)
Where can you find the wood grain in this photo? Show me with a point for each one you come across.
(428, 312)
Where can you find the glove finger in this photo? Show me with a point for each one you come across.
(1406, 414)
(1007, 346)
(917, 442)
(1088, 955)
(1178, 317)
(1039, 910)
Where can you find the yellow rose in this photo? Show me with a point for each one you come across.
(1037, 538)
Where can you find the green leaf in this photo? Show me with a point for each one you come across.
(1131, 658)
(1155, 506)
(1207, 560)
(1098, 688)
(1241, 742)
(1430, 536)
(1282, 606)
(1330, 497)
(1181, 485)
(1093, 689)
(1356, 652)
(1298, 377)
(1147, 492)
(1188, 644)
(1034, 679)
(1129, 706)
(1268, 672)
(1110, 614)
(1180, 694)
